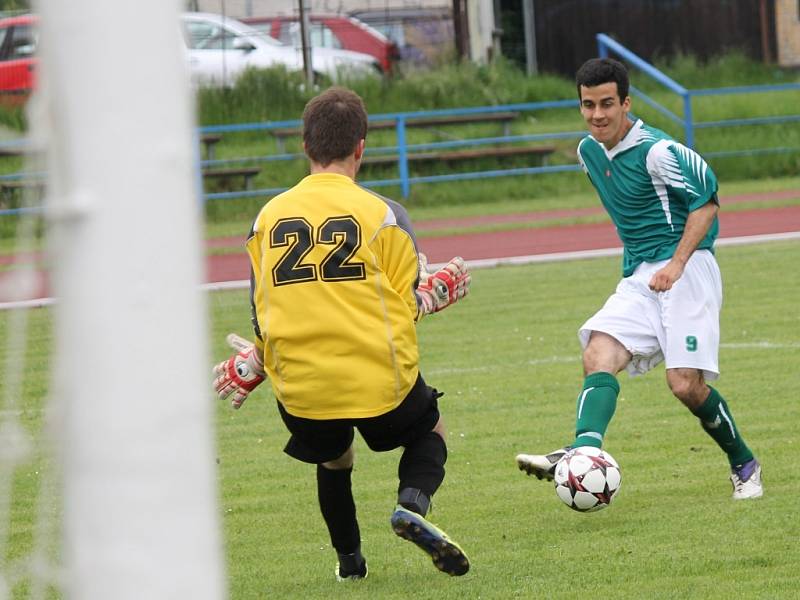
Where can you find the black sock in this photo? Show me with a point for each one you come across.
(338, 508)
(352, 564)
(421, 469)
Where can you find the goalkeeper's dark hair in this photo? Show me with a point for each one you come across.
(597, 71)
(333, 124)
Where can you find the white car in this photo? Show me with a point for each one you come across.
(219, 49)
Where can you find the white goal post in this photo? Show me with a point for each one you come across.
(131, 382)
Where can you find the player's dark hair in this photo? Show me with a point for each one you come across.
(597, 71)
(333, 124)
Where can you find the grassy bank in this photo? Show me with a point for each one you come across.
(510, 377)
(260, 97)
(274, 95)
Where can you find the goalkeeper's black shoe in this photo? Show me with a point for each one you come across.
(447, 556)
(543, 466)
(351, 567)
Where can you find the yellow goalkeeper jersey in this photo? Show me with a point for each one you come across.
(334, 269)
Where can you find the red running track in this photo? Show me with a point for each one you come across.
(544, 240)
(477, 246)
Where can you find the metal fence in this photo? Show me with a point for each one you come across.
(606, 45)
(402, 149)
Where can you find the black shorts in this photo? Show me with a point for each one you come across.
(316, 441)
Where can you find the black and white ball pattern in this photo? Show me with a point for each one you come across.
(587, 479)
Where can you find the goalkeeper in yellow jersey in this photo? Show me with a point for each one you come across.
(337, 288)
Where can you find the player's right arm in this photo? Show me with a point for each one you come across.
(240, 374)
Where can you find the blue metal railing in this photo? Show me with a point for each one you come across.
(606, 44)
(402, 148)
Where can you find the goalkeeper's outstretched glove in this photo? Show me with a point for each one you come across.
(436, 291)
(241, 373)
(422, 265)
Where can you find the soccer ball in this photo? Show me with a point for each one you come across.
(587, 479)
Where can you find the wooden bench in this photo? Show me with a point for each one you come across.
(498, 117)
(12, 151)
(209, 140)
(228, 174)
(455, 155)
(12, 190)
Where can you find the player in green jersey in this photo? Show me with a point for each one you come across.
(662, 198)
(337, 288)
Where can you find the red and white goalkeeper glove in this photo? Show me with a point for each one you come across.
(241, 373)
(446, 286)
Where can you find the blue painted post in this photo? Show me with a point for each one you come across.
(402, 156)
(688, 119)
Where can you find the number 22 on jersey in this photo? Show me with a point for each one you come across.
(341, 233)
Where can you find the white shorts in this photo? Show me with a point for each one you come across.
(680, 325)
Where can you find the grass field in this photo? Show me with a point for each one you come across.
(508, 360)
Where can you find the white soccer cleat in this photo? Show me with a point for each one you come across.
(543, 466)
(746, 480)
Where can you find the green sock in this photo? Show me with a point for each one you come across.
(596, 405)
(717, 421)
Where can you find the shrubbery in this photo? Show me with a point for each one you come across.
(275, 95)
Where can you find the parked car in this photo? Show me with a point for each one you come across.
(331, 31)
(424, 36)
(18, 41)
(219, 49)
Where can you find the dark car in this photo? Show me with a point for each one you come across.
(18, 40)
(331, 31)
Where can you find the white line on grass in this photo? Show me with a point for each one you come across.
(760, 345)
(576, 358)
(487, 263)
(552, 360)
(483, 263)
(34, 303)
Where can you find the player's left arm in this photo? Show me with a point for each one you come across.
(407, 269)
(436, 291)
(690, 179)
(697, 225)
(399, 262)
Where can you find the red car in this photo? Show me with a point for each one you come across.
(18, 40)
(332, 31)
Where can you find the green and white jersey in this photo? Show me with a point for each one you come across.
(649, 183)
